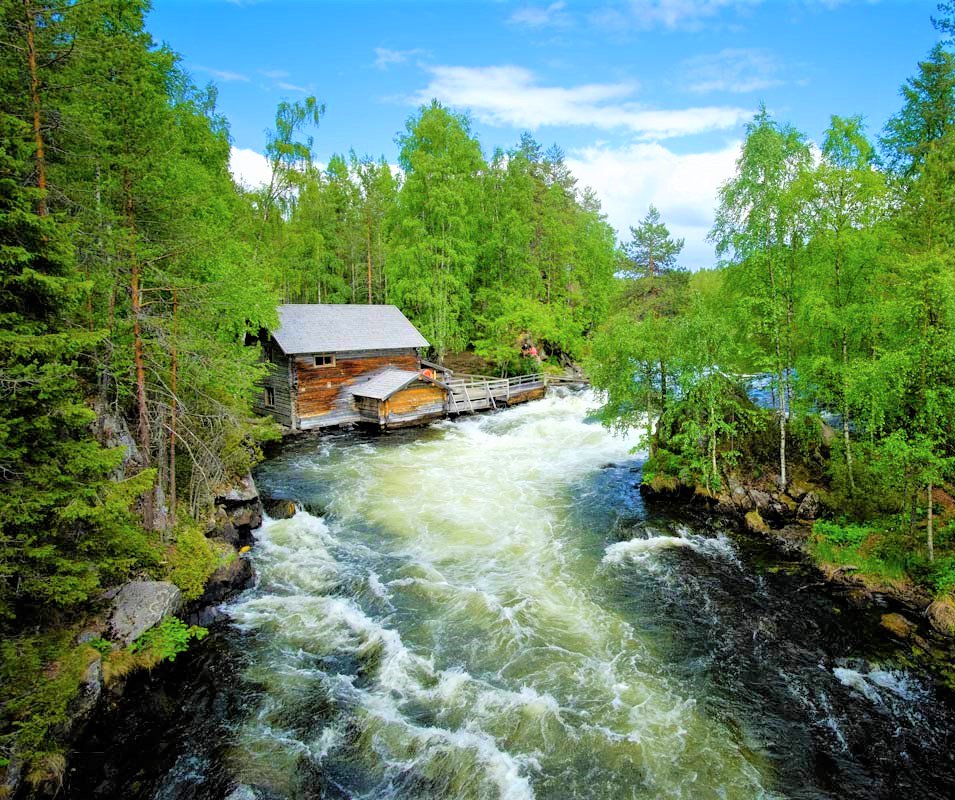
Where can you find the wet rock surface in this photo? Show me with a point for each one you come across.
(168, 733)
(138, 606)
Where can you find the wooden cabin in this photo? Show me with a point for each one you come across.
(341, 364)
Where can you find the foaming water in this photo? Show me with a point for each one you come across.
(459, 623)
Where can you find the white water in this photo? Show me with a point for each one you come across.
(442, 631)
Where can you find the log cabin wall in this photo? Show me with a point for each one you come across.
(417, 403)
(279, 382)
(319, 398)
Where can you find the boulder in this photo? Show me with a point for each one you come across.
(140, 605)
(228, 580)
(112, 431)
(246, 516)
(898, 626)
(760, 500)
(87, 696)
(941, 614)
(755, 523)
(243, 491)
(278, 508)
(809, 508)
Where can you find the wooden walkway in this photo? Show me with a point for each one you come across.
(470, 393)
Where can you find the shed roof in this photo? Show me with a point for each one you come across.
(335, 328)
(384, 384)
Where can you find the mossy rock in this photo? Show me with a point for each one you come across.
(942, 615)
(663, 483)
(755, 523)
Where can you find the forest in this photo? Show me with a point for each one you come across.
(836, 287)
(134, 268)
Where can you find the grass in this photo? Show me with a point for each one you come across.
(860, 547)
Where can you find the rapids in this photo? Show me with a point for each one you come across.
(485, 609)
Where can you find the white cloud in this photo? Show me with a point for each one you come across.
(274, 74)
(732, 70)
(249, 168)
(223, 74)
(682, 186)
(384, 57)
(542, 16)
(511, 96)
(292, 87)
(669, 14)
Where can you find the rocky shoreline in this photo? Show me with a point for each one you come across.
(131, 609)
(912, 614)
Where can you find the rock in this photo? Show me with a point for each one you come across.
(760, 500)
(898, 626)
(798, 488)
(140, 605)
(224, 584)
(941, 614)
(741, 499)
(242, 492)
(790, 504)
(755, 523)
(228, 580)
(809, 508)
(278, 508)
(112, 431)
(86, 698)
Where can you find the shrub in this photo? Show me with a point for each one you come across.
(194, 558)
(841, 534)
(166, 640)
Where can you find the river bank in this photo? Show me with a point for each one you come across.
(909, 612)
(537, 630)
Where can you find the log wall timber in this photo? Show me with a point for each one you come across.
(278, 380)
(418, 403)
(319, 398)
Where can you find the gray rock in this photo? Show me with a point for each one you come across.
(242, 492)
(246, 516)
(112, 431)
(278, 508)
(91, 687)
(761, 500)
(140, 605)
(809, 508)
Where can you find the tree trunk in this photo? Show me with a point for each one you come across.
(135, 291)
(173, 407)
(39, 154)
(783, 483)
(663, 387)
(368, 233)
(930, 532)
(845, 411)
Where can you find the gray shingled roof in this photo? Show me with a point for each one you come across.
(337, 328)
(385, 383)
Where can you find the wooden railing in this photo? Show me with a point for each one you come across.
(477, 392)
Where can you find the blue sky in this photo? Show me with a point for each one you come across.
(648, 98)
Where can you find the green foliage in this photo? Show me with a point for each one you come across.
(651, 249)
(167, 640)
(840, 533)
(41, 674)
(193, 558)
(943, 574)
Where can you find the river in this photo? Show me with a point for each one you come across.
(486, 609)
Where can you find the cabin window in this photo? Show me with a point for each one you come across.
(269, 397)
(324, 359)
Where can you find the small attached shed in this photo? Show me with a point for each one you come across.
(395, 397)
(340, 364)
